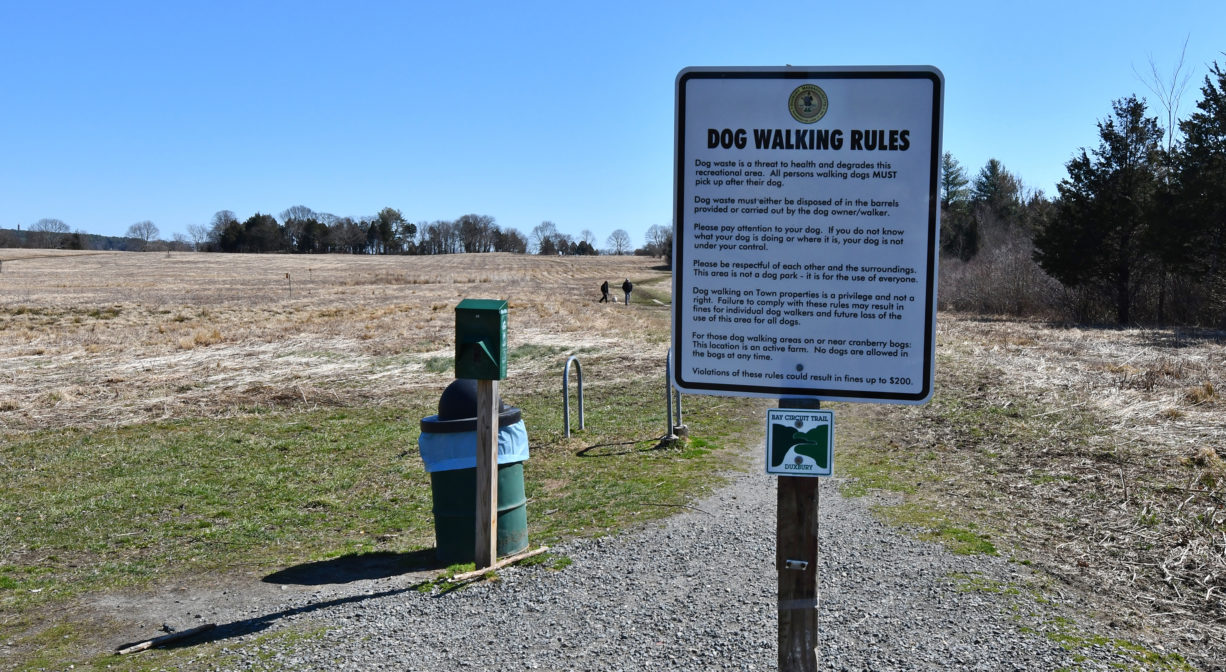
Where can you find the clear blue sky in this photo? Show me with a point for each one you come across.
(117, 112)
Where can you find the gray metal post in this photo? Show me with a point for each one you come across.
(668, 398)
(680, 422)
(674, 429)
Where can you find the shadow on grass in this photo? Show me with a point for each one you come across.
(627, 448)
(345, 569)
(356, 567)
(249, 626)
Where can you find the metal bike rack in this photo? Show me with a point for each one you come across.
(566, 394)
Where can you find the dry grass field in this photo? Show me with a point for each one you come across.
(97, 339)
(1102, 452)
(1093, 455)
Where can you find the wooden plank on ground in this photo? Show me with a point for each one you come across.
(165, 639)
(509, 560)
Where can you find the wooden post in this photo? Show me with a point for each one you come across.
(487, 474)
(796, 564)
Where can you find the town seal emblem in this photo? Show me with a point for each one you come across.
(808, 103)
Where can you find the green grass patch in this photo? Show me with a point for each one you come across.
(119, 507)
(548, 560)
(977, 583)
(1066, 632)
(91, 511)
(440, 364)
(933, 525)
(1139, 658)
(531, 351)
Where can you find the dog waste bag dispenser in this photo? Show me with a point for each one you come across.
(448, 447)
(481, 339)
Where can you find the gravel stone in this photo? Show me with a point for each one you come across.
(694, 592)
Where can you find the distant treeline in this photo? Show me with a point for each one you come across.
(1137, 233)
(301, 230)
(79, 240)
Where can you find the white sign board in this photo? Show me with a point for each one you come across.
(799, 442)
(807, 223)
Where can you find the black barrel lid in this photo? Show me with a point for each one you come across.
(457, 410)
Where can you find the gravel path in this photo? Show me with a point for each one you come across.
(694, 592)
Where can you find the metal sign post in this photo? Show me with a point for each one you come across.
(804, 265)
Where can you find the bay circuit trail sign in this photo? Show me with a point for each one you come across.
(806, 223)
(806, 229)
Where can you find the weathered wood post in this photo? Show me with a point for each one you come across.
(796, 553)
(487, 474)
(481, 354)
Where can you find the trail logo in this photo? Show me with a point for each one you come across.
(799, 442)
(808, 103)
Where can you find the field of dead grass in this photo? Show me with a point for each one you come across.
(1093, 454)
(103, 339)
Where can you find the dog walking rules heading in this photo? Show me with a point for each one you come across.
(806, 215)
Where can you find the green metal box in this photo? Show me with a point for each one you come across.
(481, 339)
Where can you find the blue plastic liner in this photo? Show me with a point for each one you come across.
(458, 450)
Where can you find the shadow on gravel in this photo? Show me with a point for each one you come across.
(345, 569)
(623, 448)
(252, 625)
(357, 567)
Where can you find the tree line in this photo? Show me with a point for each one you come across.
(300, 230)
(1136, 233)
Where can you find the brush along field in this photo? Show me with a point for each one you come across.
(1093, 455)
(107, 339)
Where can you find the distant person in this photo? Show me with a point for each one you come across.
(604, 292)
(626, 287)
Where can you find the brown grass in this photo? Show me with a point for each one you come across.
(93, 339)
(1093, 453)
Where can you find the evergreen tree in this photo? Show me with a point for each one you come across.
(1101, 233)
(1200, 198)
(997, 190)
(953, 181)
(959, 231)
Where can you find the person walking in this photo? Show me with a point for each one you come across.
(604, 292)
(626, 287)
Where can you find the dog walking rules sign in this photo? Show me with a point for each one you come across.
(806, 215)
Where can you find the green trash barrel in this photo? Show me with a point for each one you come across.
(455, 512)
(448, 444)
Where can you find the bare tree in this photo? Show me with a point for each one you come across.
(295, 219)
(48, 233)
(588, 237)
(619, 242)
(477, 233)
(1169, 91)
(545, 231)
(199, 233)
(217, 225)
(658, 238)
(145, 231)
